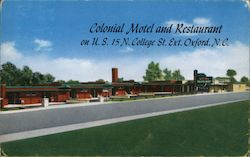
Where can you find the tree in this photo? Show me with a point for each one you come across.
(244, 79)
(177, 75)
(72, 82)
(153, 72)
(10, 74)
(100, 80)
(13, 76)
(233, 80)
(37, 78)
(231, 73)
(120, 79)
(26, 76)
(167, 74)
(49, 78)
(61, 81)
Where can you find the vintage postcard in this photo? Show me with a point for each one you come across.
(124, 78)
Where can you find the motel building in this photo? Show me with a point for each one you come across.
(90, 91)
(56, 93)
(33, 94)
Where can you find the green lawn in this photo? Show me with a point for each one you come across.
(216, 131)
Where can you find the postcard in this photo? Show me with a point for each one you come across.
(124, 78)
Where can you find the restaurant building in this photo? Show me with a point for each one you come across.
(93, 91)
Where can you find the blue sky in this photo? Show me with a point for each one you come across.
(53, 30)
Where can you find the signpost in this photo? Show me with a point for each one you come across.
(202, 82)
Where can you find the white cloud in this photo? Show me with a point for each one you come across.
(43, 45)
(9, 52)
(213, 62)
(86, 69)
(127, 50)
(201, 21)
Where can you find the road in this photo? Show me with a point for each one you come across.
(31, 120)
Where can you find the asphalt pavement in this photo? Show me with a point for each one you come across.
(31, 120)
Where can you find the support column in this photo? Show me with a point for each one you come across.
(4, 100)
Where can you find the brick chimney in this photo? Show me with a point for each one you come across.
(114, 75)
